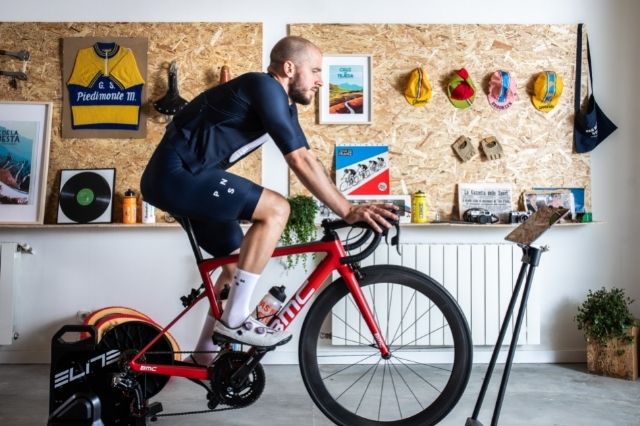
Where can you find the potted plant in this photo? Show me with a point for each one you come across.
(611, 333)
(300, 227)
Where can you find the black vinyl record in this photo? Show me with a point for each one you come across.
(85, 196)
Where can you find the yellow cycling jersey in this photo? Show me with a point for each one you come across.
(105, 88)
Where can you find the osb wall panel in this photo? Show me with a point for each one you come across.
(200, 50)
(537, 146)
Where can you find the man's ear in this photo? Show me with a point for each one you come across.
(289, 68)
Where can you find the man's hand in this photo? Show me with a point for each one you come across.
(376, 215)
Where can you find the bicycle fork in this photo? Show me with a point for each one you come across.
(350, 276)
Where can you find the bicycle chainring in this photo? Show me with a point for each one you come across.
(246, 393)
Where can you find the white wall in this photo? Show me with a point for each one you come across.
(79, 269)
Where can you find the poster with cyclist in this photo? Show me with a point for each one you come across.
(362, 169)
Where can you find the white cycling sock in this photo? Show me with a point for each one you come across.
(205, 342)
(237, 309)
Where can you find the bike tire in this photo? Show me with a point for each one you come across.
(328, 377)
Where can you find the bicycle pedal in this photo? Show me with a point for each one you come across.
(222, 340)
(154, 408)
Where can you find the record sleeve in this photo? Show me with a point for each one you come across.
(86, 196)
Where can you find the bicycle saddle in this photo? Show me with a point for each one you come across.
(171, 102)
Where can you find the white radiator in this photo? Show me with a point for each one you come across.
(8, 259)
(481, 277)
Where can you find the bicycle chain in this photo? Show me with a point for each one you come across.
(188, 413)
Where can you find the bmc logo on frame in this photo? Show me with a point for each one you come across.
(292, 309)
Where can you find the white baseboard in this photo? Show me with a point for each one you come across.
(481, 355)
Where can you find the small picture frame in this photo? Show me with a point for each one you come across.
(25, 133)
(535, 199)
(346, 95)
(578, 196)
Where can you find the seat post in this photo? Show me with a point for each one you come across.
(186, 224)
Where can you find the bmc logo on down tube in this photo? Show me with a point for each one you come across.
(289, 312)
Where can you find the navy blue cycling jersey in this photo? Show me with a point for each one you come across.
(186, 174)
(226, 123)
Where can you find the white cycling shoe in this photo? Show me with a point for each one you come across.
(251, 332)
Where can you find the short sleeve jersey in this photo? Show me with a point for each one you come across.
(226, 123)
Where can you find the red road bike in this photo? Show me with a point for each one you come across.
(362, 360)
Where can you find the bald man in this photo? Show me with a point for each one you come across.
(187, 176)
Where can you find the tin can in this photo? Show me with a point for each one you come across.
(419, 208)
(148, 213)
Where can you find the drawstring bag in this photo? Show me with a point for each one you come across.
(591, 126)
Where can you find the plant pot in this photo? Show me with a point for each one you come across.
(618, 358)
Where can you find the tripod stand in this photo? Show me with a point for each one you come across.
(530, 260)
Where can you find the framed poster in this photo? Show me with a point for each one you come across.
(493, 197)
(25, 132)
(345, 97)
(362, 169)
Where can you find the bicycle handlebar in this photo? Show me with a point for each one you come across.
(333, 225)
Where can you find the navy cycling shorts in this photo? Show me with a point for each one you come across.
(214, 199)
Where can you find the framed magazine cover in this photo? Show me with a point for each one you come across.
(557, 198)
(346, 96)
(25, 133)
(493, 197)
(402, 201)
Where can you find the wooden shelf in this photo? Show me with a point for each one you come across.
(176, 225)
(88, 225)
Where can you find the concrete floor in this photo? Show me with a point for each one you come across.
(540, 394)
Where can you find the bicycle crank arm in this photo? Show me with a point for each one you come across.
(23, 55)
(238, 378)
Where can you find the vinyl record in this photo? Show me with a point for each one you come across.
(85, 196)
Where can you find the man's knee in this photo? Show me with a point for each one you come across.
(272, 207)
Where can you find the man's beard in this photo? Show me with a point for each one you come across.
(296, 93)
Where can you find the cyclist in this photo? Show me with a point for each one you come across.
(187, 176)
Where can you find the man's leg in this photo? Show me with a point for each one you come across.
(205, 342)
(269, 219)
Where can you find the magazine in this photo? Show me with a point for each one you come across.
(362, 169)
(535, 199)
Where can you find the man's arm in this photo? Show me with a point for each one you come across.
(314, 177)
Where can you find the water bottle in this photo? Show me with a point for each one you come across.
(129, 211)
(270, 304)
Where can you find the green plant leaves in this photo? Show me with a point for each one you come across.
(605, 314)
(301, 227)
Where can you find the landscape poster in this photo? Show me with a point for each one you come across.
(345, 89)
(345, 97)
(16, 160)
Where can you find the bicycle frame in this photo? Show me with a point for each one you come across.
(333, 249)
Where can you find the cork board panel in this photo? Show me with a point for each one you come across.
(199, 49)
(538, 147)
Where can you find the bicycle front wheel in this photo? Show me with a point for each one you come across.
(425, 330)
